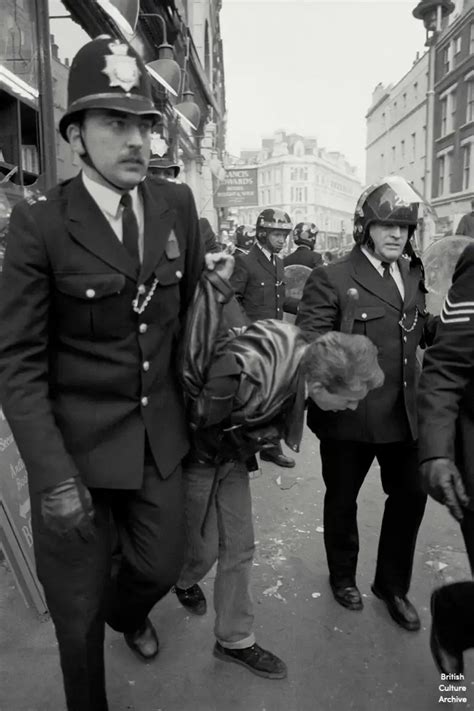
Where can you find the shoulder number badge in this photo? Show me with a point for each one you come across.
(121, 69)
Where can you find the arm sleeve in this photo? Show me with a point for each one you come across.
(461, 230)
(239, 278)
(24, 344)
(319, 308)
(448, 365)
(194, 253)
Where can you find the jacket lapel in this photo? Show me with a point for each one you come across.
(409, 282)
(159, 220)
(367, 276)
(87, 225)
(263, 260)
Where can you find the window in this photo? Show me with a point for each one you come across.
(452, 122)
(404, 101)
(444, 116)
(382, 161)
(415, 90)
(303, 173)
(413, 146)
(394, 155)
(444, 176)
(457, 45)
(441, 169)
(447, 59)
(466, 166)
(402, 151)
(470, 101)
(471, 39)
(294, 174)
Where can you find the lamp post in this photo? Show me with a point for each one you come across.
(46, 101)
(431, 13)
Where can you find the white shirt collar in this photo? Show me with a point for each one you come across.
(268, 254)
(376, 262)
(106, 198)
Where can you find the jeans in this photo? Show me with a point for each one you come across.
(227, 537)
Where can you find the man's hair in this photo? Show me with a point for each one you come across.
(340, 361)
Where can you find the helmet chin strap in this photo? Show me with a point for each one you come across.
(88, 161)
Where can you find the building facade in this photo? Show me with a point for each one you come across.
(396, 128)
(453, 122)
(307, 181)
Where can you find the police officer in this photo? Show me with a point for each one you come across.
(391, 312)
(259, 286)
(446, 406)
(304, 235)
(96, 277)
(244, 239)
(165, 167)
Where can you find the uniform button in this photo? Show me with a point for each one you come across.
(404, 383)
(141, 289)
(90, 293)
(405, 339)
(179, 274)
(144, 401)
(364, 315)
(143, 328)
(405, 361)
(146, 365)
(262, 283)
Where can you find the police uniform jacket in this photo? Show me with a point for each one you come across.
(446, 392)
(259, 285)
(304, 256)
(83, 377)
(388, 413)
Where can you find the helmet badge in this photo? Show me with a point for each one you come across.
(121, 69)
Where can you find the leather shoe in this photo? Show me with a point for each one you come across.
(257, 660)
(280, 460)
(400, 608)
(192, 599)
(144, 641)
(348, 596)
(447, 661)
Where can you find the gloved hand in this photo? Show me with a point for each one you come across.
(67, 507)
(442, 481)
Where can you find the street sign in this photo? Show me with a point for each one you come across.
(16, 538)
(238, 189)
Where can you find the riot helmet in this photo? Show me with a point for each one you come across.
(244, 236)
(392, 201)
(272, 220)
(305, 234)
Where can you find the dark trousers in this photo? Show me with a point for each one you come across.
(345, 465)
(453, 613)
(83, 590)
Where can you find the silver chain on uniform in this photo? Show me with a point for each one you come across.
(412, 327)
(140, 309)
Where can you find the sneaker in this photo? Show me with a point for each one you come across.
(257, 660)
(192, 599)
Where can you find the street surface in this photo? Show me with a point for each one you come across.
(338, 660)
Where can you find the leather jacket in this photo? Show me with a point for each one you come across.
(242, 383)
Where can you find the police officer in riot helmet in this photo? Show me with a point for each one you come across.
(304, 235)
(244, 239)
(258, 282)
(391, 312)
(87, 381)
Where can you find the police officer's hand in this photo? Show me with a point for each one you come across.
(221, 262)
(67, 507)
(442, 481)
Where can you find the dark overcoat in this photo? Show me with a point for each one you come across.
(304, 256)
(259, 285)
(388, 413)
(83, 377)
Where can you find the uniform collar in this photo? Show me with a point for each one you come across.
(268, 254)
(106, 198)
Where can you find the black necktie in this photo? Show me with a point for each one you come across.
(130, 228)
(391, 283)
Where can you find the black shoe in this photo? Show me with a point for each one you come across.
(447, 661)
(257, 660)
(348, 596)
(144, 642)
(401, 610)
(280, 459)
(192, 599)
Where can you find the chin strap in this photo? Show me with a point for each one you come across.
(87, 160)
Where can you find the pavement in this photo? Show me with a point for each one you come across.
(337, 660)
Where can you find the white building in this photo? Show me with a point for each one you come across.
(307, 181)
(396, 128)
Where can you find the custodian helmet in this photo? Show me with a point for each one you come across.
(305, 233)
(392, 201)
(107, 74)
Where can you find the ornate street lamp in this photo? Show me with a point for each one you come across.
(164, 69)
(431, 12)
(123, 12)
(187, 109)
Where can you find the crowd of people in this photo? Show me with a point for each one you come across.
(116, 300)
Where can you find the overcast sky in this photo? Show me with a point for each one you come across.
(310, 67)
(307, 66)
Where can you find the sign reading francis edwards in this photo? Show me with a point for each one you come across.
(239, 188)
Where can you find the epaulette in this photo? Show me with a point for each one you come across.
(32, 199)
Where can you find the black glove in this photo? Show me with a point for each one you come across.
(443, 482)
(67, 507)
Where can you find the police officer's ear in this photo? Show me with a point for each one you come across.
(74, 137)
